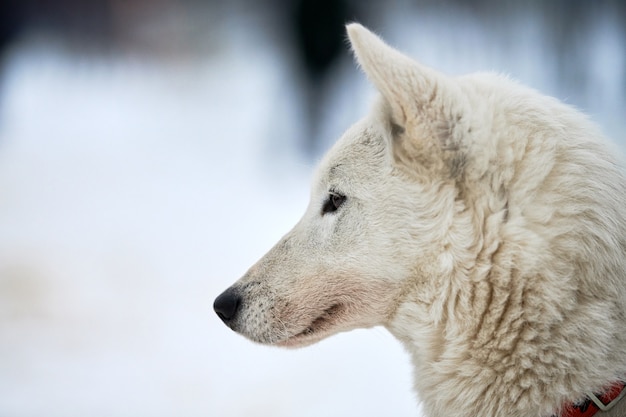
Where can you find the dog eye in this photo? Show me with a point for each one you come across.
(333, 202)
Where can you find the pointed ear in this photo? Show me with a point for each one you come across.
(420, 98)
(406, 85)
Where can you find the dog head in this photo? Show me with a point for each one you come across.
(379, 216)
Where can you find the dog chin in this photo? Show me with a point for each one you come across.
(326, 324)
(299, 341)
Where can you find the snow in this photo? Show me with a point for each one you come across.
(134, 191)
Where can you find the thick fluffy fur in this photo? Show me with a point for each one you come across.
(484, 225)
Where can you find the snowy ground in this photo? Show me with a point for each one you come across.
(132, 192)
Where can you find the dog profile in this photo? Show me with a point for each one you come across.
(482, 223)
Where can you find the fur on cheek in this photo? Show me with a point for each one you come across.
(345, 301)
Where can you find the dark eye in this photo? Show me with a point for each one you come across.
(333, 202)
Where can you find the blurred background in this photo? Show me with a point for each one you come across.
(152, 150)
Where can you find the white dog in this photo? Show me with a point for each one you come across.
(483, 224)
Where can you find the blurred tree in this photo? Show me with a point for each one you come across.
(319, 33)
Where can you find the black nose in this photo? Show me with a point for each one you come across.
(226, 304)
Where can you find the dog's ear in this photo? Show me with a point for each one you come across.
(422, 101)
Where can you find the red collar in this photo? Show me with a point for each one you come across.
(594, 403)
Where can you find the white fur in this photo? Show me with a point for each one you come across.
(484, 225)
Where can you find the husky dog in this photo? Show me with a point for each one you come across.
(482, 223)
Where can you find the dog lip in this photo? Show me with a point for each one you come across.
(319, 325)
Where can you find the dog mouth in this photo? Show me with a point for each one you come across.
(317, 329)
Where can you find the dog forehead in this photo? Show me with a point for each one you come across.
(358, 154)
